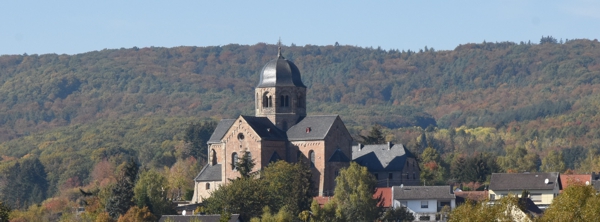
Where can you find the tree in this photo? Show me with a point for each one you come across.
(121, 197)
(244, 196)
(136, 214)
(500, 210)
(290, 186)
(578, 202)
(151, 192)
(553, 162)
(375, 136)
(397, 214)
(4, 212)
(245, 165)
(196, 135)
(432, 172)
(353, 195)
(28, 184)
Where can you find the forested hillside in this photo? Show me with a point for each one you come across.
(498, 99)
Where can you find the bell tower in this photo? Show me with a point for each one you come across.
(280, 93)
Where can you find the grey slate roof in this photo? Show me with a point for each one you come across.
(422, 193)
(381, 157)
(220, 130)
(338, 156)
(524, 181)
(319, 127)
(280, 72)
(265, 128)
(209, 173)
(203, 218)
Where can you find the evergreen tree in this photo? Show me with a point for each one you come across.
(4, 212)
(28, 184)
(121, 197)
(196, 136)
(375, 136)
(245, 165)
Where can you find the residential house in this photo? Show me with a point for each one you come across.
(391, 164)
(570, 179)
(424, 202)
(542, 187)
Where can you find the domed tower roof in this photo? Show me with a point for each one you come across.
(280, 72)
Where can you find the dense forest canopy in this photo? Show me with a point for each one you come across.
(519, 100)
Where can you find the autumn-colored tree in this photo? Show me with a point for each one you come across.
(136, 214)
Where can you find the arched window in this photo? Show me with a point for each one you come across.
(287, 101)
(249, 155)
(208, 186)
(234, 160)
(299, 102)
(311, 155)
(282, 101)
(265, 100)
(257, 100)
(270, 101)
(214, 157)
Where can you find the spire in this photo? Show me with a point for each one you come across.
(279, 49)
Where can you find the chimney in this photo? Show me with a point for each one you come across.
(389, 145)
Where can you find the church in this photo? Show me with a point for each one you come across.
(279, 130)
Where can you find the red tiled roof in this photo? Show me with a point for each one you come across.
(322, 200)
(472, 195)
(570, 179)
(386, 196)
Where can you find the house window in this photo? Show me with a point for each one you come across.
(311, 154)
(424, 218)
(390, 176)
(403, 203)
(536, 197)
(424, 204)
(234, 160)
(208, 186)
(414, 176)
(376, 176)
(337, 173)
(492, 196)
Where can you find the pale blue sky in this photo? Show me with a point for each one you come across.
(72, 27)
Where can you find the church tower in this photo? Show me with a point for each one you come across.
(280, 93)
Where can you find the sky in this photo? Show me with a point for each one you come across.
(73, 27)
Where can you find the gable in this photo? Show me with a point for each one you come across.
(381, 157)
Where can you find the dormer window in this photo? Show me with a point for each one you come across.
(308, 129)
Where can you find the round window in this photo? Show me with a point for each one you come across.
(240, 136)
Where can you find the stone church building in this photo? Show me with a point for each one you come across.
(279, 130)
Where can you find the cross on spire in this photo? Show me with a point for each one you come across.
(279, 48)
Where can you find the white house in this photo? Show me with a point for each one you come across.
(542, 187)
(424, 202)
